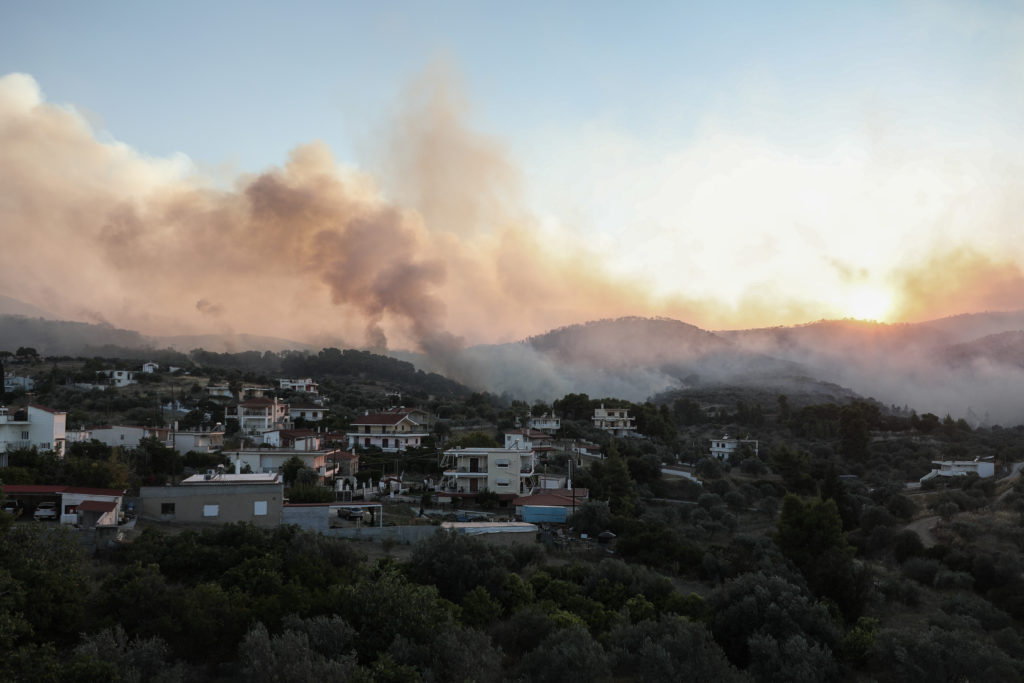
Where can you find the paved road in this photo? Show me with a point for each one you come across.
(924, 527)
(1013, 476)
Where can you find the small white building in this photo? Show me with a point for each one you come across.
(724, 447)
(271, 460)
(526, 439)
(199, 441)
(116, 378)
(128, 436)
(584, 447)
(150, 368)
(81, 435)
(14, 382)
(961, 468)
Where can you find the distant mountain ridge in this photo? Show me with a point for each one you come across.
(629, 342)
(965, 364)
(67, 338)
(9, 306)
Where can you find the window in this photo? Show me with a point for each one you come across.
(24, 436)
(211, 510)
(502, 481)
(384, 443)
(259, 508)
(501, 463)
(167, 509)
(366, 442)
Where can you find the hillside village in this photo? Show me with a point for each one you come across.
(696, 535)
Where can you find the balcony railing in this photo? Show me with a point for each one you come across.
(465, 472)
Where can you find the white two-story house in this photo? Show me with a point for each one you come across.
(391, 432)
(305, 385)
(726, 446)
(36, 426)
(545, 423)
(309, 412)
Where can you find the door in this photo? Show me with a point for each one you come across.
(474, 485)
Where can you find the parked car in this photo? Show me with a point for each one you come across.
(13, 507)
(45, 511)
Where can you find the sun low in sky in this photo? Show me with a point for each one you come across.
(420, 174)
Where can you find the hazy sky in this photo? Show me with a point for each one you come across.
(532, 164)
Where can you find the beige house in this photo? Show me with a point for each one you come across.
(509, 472)
(257, 415)
(615, 421)
(216, 499)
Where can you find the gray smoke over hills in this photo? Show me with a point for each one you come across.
(967, 366)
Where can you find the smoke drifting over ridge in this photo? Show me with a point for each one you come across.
(437, 249)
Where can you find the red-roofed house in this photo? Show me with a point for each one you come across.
(93, 513)
(391, 432)
(554, 498)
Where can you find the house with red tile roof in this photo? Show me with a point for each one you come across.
(566, 498)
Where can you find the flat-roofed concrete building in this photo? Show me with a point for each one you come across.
(216, 498)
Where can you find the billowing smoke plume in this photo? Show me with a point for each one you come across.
(309, 250)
